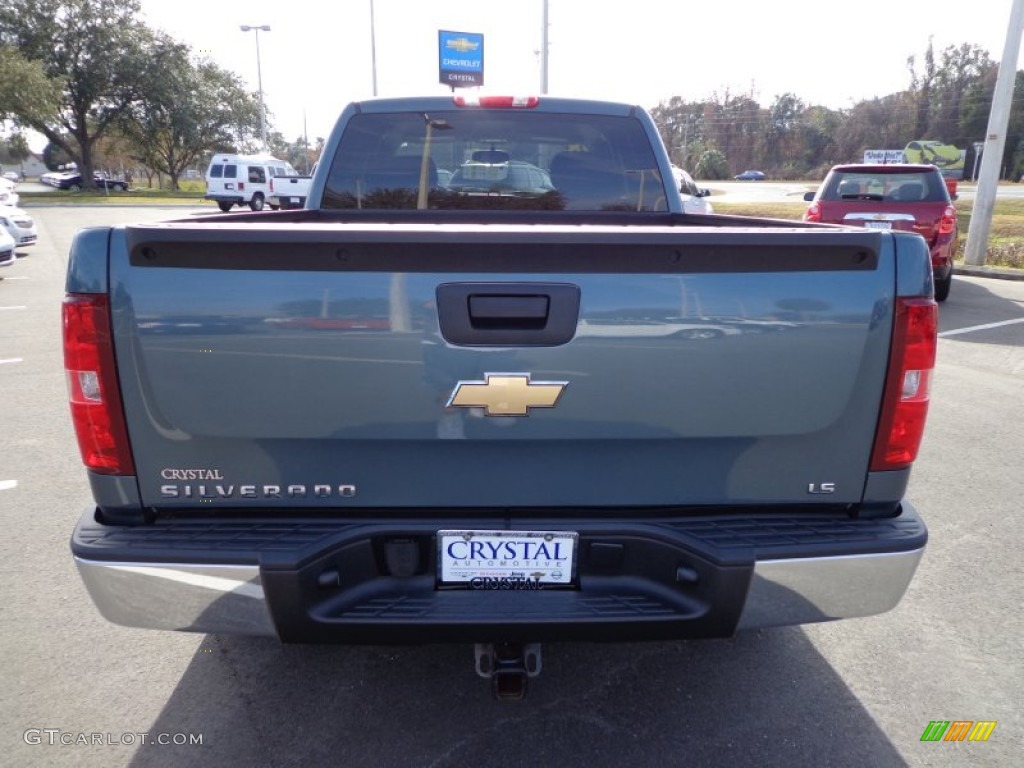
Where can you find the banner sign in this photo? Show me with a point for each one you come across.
(884, 156)
(461, 58)
(948, 159)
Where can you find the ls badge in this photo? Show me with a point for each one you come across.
(506, 394)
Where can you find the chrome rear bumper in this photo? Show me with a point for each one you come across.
(785, 592)
(220, 599)
(727, 587)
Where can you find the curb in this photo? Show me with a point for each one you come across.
(998, 273)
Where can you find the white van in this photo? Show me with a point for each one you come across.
(244, 180)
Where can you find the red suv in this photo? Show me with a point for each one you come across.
(913, 198)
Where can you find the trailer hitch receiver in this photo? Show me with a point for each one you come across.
(508, 666)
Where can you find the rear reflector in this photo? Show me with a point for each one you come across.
(497, 102)
(908, 384)
(93, 391)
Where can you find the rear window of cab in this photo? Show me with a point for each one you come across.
(877, 186)
(495, 160)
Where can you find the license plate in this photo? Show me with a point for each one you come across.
(878, 224)
(294, 199)
(506, 559)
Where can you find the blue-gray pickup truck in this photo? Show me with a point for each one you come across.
(494, 386)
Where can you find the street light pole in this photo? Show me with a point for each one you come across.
(373, 49)
(259, 78)
(544, 50)
(976, 250)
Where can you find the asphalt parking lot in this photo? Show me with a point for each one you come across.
(853, 693)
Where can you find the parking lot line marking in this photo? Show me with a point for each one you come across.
(11, 360)
(973, 328)
(21, 307)
(6, 485)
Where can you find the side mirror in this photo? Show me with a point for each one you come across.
(703, 192)
(808, 196)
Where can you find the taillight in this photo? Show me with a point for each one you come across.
(92, 385)
(497, 102)
(813, 212)
(907, 385)
(271, 185)
(948, 221)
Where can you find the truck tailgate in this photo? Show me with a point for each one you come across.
(319, 365)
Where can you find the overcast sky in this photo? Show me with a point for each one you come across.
(317, 56)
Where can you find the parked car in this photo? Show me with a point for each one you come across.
(291, 191)
(12, 176)
(693, 196)
(914, 198)
(7, 244)
(73, 180)
(751, 176)
(244, 180)
(18, 225)
(53, 178)
(7, 194)
(494, 172)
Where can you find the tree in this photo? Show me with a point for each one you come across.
(55, 158)
(782, 130)
(277, 145)
(14, 149)
(24, 86)
(296, 156)
(682, 129)
(885, 123)
(738, 125)
(712, 165)
(189, 110)
(115, 153)
(818, 127)
(921, 85)
(959, 68)
(302, 155)
(949, 99)
(91, 54)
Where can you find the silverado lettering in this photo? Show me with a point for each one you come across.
(257, 492)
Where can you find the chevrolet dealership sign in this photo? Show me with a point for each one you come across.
(461, 58)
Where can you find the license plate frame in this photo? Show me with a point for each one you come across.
(504, 559)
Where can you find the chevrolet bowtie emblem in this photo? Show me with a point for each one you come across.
(506, 394)
(462, 44)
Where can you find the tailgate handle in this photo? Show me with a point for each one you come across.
(513, 311)
(508, 314)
